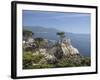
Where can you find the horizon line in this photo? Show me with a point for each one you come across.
(57, 29)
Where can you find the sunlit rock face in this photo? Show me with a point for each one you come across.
(55, 51)
(50, 58)
(63, 50)
(67, 48)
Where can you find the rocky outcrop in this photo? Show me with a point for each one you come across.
(67, 48)
(54, 53)
(48, 57)
(61, 50)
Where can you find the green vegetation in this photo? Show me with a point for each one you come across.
(86, 61)
(27, 33)
(71, 62)
(61, 34)
(27, 60)
(31, 61)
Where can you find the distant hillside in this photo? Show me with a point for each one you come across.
(40, 29)
(80, 41)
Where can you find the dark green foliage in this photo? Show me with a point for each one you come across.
(27, 60)
(64, 63)
(28, 49)
(37, 58)
(27, 33)
(61, 34)
(86, 61)
(73, 62)
(31, 61)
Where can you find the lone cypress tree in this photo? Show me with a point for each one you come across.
(61, 34)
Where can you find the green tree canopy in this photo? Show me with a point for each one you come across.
(61, 34)
(27, 33)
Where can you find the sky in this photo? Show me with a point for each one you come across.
(63, 21)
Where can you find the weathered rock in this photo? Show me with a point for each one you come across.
(55, 52)
(43, 61)
(51, 59)
(67, 48)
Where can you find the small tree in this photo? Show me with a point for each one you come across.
(61, 34)
(38, 41)
(27, 34)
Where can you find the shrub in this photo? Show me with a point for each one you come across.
(65, 63)
(27, 59)
(37, 61)
(37, 58)
(86, 61)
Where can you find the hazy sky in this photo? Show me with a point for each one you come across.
(67, 22)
